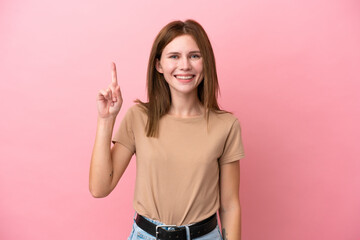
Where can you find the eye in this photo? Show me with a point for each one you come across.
(173, 56)
(195, 56)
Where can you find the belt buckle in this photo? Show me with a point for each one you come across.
(161, 226)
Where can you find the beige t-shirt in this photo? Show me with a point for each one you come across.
(177, 174)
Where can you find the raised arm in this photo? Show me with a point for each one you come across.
(107, 164)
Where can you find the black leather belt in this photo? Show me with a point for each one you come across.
(177, 233)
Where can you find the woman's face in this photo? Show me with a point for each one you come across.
(181, 64)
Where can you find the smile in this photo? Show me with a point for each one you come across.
(185, 77)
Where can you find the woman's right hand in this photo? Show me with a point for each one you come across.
(109, 100)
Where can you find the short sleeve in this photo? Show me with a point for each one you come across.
(125, 134)
(233, 148)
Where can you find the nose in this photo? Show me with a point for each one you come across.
(185, 64)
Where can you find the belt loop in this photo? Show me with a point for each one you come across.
(134, 216)
(187, 232)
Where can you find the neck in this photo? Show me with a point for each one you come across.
(185, 105)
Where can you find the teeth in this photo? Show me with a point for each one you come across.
(183, 77)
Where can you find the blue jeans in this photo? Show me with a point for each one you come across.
(139, 234)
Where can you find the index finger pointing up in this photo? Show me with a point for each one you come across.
(113, 74)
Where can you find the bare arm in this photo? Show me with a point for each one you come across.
(230, 211)
(107, 164)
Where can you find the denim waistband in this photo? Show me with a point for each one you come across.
(216, 235)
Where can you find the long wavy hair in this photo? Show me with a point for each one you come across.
(158, 91)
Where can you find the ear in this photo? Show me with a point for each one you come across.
(158, 66)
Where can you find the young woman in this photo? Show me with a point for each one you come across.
(187, 149)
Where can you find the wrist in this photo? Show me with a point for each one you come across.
(106, 121)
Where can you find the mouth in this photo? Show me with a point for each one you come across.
(184, 78)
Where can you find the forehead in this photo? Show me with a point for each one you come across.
(183, 43)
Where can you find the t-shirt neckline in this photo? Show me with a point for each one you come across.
(196, 117)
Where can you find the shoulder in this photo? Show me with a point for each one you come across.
(137, 109)
(136, 114)
(223, 117)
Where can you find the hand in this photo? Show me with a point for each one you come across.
(109, 100)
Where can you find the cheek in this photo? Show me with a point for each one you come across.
(199, 66)
(168, 68)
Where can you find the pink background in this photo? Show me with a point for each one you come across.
(289, 70)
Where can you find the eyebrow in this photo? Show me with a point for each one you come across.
(179, 53)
